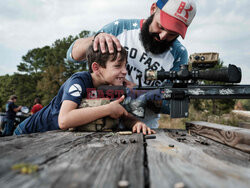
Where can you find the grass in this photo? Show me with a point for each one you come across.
(230, 119)
(165, 122)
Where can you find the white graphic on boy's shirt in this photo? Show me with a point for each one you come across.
(75, 90)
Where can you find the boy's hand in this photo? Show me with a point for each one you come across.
(102, 39)
(116, 110)
(142, 126)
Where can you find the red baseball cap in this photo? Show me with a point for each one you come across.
(176, 15)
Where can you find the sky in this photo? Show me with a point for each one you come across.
(221, 26)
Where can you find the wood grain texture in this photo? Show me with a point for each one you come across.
(192, 165)
(233, 136)
(211, 147)
(68, 159)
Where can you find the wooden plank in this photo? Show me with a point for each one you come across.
(211, 147)
(233, 136)
(242, 114)
(245, 125)
(192, 163)
(68, 159)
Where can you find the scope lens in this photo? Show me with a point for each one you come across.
(197, 58)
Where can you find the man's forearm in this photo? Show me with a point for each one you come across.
(80, 47)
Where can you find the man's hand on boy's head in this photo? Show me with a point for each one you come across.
(142, 127)
(116, 110)
(102, 39)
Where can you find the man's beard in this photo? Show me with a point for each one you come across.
(148, 39)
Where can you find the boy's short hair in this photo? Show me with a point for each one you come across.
(102, 58)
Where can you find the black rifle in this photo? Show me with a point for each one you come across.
(179, 87)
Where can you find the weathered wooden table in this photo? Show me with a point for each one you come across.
(176, 158)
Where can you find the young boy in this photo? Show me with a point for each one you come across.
(63, 113)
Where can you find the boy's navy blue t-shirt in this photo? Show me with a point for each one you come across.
(74, 89)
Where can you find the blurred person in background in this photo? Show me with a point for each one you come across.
(11, 110)
(37, 106)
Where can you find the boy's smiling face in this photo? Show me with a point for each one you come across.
(114, 73)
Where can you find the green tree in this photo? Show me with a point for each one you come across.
(5, 90)
(42, 72)
(22, 85)
(34, 61)
(245, 104)
(49, 67)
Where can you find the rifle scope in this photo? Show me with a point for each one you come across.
(231, 74)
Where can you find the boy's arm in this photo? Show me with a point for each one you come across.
(70, 116)
(136, 125)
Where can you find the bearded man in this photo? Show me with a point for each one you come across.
(151, 44)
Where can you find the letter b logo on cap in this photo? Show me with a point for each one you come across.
(182, 7)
